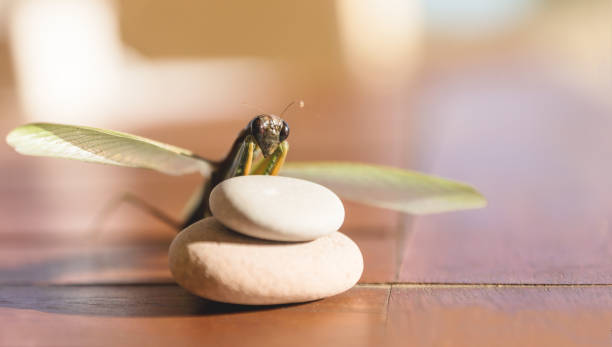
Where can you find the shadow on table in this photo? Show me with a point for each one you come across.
(127, 300)
(108, 281)
(84, 265)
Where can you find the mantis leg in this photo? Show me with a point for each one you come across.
(243, 160)
(250, 149)
(138, 202)
(272, 164)
(238, 163)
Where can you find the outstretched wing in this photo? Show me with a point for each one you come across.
(106, 147)
(388, 187)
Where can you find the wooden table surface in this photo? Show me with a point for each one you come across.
(533, 269)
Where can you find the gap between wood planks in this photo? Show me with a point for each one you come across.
(358, 285)
(477, 285)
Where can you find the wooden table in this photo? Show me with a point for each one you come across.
(532, 269)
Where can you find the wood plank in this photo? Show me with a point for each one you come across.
(544, 165)
(167, 315)
(417, 315)
(500, 316)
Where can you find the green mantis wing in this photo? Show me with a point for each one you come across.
(105, 147)
(387, 187)
(381, 186)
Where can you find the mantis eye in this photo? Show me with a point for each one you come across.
(255, 126)
(284, 133)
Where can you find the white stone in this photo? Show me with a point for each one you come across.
(216, 263)
(277, 208)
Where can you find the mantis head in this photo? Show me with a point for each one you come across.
(268, 131)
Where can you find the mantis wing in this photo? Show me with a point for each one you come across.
(387, 187)
(106, 147)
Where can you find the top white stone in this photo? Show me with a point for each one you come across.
(276, 208)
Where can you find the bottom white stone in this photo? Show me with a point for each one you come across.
(216, 263)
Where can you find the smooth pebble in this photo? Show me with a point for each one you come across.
(216, 263)
(277, 208)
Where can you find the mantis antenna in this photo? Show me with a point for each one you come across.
(287, 107)
(301, 105)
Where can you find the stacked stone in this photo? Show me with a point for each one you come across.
(271, 240)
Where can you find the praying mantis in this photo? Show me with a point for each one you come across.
(259, 149)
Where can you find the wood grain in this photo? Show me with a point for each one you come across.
(366, 315)
(541, 154)
(500, 316)
(167, 315)
(82, 263)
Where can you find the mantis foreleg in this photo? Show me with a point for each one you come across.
(272, 164)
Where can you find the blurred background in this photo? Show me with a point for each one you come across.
(512, 96)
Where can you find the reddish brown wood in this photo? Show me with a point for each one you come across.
(500, 316)
(167, 315)
(541, 154)
(379, 249)
(82, 263)
(543, 163)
